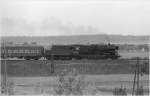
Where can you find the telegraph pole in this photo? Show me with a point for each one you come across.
(136, 78)
(134, 82)
(4, 76)
(138, 73)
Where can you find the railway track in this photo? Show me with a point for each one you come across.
(73, 60)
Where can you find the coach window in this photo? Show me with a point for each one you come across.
(15, 51)
(20, 51)
(27, 51)
(9, 51)
(32, 51)
(37, 51)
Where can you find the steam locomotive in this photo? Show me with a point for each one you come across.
(61, 52)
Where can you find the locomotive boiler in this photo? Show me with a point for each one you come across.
(93, 51)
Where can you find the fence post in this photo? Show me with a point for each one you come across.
(52, 64)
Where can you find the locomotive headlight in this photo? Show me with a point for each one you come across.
(75, 52)
(77, 48)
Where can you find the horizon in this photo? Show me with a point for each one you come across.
(78, 35)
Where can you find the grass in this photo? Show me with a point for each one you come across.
(38, 68)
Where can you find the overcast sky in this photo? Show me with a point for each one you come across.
(57, 17)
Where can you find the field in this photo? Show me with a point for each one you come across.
(43, 67)
(97, 84)
(140, 54)
(102, 76)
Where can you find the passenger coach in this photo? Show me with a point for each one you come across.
(26, 52)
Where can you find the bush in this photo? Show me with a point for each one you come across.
(9, 88)
(120, 91)
(70, 83)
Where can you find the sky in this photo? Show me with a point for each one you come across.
(74, 17)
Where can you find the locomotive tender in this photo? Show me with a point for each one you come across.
(61, 52)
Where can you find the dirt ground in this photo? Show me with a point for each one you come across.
(103, 84)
